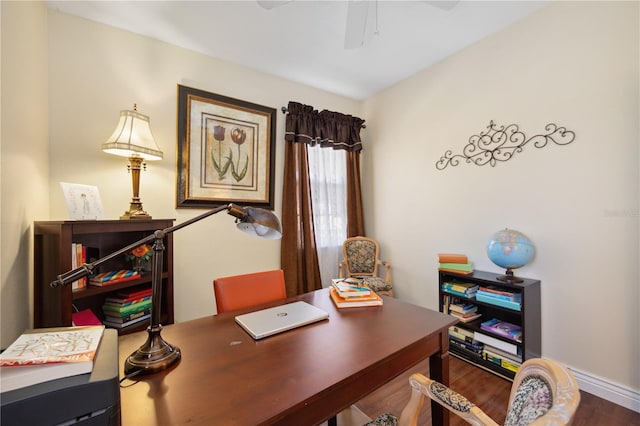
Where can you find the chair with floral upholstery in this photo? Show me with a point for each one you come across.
(543, 393)
(361, 259)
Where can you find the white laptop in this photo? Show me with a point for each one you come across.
(267, 322)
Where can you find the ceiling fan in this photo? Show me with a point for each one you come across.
(357, 15)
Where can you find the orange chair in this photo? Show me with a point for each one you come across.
(239, 291)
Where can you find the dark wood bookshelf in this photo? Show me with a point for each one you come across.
(53, 256)
(528, 317)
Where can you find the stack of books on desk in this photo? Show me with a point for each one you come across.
(350, 287)
(351, 293)
(127, 308)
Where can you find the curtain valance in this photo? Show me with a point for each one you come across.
(327, 128)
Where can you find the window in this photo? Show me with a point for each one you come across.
(327, 173)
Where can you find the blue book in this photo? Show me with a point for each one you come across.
(460, 294)
(516, 306)
(500, 294)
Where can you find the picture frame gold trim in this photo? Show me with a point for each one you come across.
(226, 151)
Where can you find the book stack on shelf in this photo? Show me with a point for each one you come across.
(503, 328)
(504, 354)
(477, 345)
(76, 260)
(80, 254)
(504, 359)
(466, 290)
(114, 277)
(454, 262)
(506, 333)
(352, 293)
(499, 352)
(127, 308)
(463, 339)
(500, 297)
(461, 309)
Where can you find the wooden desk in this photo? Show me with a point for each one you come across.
(300, 377)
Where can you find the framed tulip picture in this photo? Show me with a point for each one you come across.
(226, 151)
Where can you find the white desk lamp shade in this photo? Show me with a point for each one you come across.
(133, 137)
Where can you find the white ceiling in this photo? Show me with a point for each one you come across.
(303, 40)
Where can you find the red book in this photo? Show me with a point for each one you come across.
(126, 301)
(135, 294)
(85, 317)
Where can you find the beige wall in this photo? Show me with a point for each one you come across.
(116, 69)
(24, 153)
(573, 64)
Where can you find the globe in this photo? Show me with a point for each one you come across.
(510, 249)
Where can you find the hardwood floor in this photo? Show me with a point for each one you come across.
(491, 394)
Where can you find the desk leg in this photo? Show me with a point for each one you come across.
(439, 370)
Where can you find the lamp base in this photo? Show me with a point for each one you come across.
(135, 212)
(135, 207)
(135, 215)
(153, 356)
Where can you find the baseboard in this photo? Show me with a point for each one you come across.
(612, 392)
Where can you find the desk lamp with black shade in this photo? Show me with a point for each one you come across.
(156, 354)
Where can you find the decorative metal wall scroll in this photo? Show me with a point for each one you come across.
(500, 143)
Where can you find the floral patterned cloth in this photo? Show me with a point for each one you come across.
(451, 398)
(385, 419)
(532, 400)
(361, 256)
(377, 284)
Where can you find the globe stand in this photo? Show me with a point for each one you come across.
(509, 277)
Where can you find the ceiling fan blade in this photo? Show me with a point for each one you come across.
(357, 13)
(270, 4)
(443, 4)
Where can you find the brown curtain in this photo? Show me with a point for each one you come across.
(355, 214)
(306, 126)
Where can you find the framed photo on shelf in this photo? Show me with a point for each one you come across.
(226, 151)
(83, 201)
